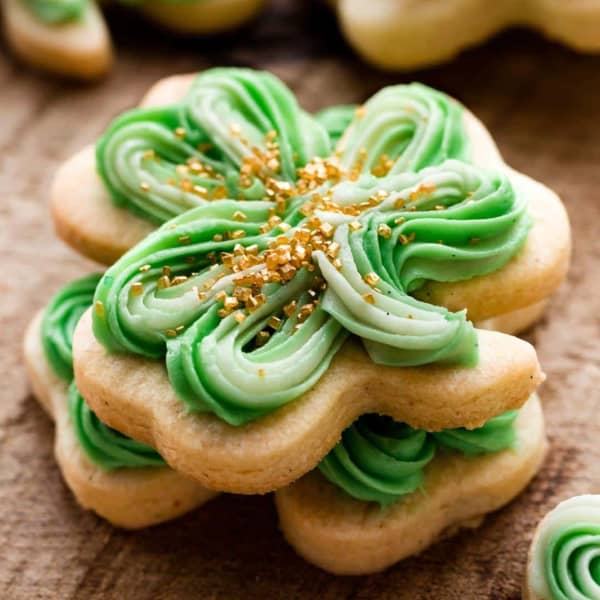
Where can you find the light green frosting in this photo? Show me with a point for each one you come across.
(381, 460)
(104, 446)
(446, 222)
(565, 554)
(497, 434)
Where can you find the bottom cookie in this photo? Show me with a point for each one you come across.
(346, 536)
(127, 497)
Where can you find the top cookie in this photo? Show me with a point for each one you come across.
(249, 300)
(433, 32)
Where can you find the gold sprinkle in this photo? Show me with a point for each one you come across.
(369, 298)
(171, 333)
(385, 231)
(261, 373)
(360, 112)
(237, 234)
(180, 133)
(163, 282)
(371, 279)
(136, 288)
(238, 215)
(144, 186)
(274, 323)
(239, 316)
(99, 308)
(235, 129)
(289, 309)
(184, 239)
(399, 220)
(217, 237)
(166, 271)
(179, 328)
(262, 337)
(355, 225)
(145, 268)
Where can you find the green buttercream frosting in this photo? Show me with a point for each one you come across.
(162, 162)
(381, 460)
(104, 446)
(336, 119)
(60, 319)
(394, 207)
(565, 556)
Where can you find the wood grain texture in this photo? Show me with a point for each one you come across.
(542, 104)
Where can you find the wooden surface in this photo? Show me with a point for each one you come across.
(540, 101)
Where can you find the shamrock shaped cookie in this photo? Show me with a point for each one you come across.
(70, 37)
(124, 481)
(408, 34)
(301, 286)
(564, 553)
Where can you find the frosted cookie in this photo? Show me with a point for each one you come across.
(564, 557)
(105, 201)
(387, 491)
(70, 37)
(433, 32)
(122, 480)
(235, 337)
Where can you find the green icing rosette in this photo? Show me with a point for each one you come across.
(381, 460)
(104, 446)
(565, 554)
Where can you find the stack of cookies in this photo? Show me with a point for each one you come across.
(321, 306)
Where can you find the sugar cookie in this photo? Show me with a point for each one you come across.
(433, 32)
(249, 302)
(319, 519)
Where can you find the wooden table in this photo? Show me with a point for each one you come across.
(541, 102)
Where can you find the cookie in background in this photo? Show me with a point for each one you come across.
(71, 37)
(411, 34)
